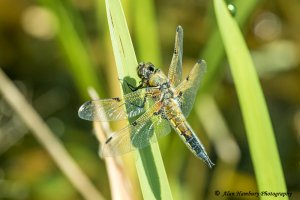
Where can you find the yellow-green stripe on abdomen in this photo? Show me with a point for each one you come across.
(187, 134)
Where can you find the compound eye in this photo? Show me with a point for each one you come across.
(151, 68)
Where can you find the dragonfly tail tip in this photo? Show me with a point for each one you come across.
(209, 163)
(200, 61)
(179, 29)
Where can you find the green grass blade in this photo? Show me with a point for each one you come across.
(150, 168)
(259, 130)
(146, 26)
(214, 50)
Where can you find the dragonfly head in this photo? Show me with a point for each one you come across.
(145, 70)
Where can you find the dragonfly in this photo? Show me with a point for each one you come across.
(170, 98)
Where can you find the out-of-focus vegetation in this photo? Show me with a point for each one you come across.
(45, 45)
(252, 102)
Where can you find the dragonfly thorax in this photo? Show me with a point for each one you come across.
(167, 92)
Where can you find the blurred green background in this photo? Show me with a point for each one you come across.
(53, 50)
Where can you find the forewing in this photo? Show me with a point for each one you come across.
(175, 69)
(116, 108)
(187, 89)
(138, 134)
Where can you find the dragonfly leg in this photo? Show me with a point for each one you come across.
(131, 87)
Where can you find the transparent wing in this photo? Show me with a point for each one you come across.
(175, 70)
(138, 134)
(116, 108)
(187, 89)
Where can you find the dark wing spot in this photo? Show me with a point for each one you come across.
(188, 77)
(134, 124)
(108, 140)
(117, 99)
(180, 94)
(158, 112)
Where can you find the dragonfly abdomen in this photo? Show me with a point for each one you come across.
(198, 148)
(181, 126)
(193, 143)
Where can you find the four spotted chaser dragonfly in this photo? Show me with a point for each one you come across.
(171, 100)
